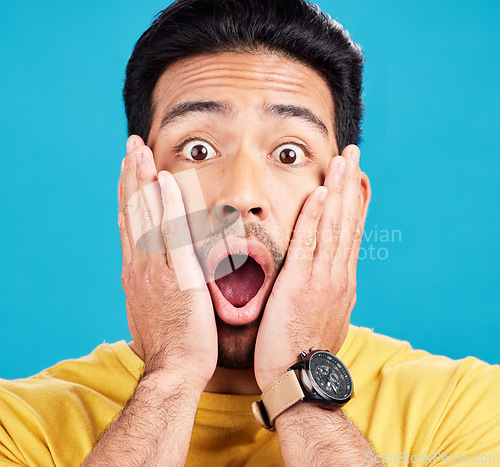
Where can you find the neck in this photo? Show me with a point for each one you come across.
(225, 381)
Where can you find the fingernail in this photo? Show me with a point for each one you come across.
(322, 194)
(131, 143)
(341, 165)
(163, 179)
(138, 157)
(355, 155)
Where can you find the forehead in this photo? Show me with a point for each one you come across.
(247, 80)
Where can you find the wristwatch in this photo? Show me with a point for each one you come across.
(318, 377)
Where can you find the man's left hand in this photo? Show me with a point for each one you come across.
(313, 296)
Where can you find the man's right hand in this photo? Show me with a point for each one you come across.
(171, 322)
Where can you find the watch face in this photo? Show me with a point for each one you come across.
(330, 377)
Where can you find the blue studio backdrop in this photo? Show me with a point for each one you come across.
(428, 265)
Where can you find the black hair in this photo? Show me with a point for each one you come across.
(295, 28)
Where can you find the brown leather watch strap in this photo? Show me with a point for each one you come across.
(276, 398)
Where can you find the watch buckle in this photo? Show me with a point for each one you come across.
(260, 413)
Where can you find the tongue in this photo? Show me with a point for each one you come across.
(242, 284)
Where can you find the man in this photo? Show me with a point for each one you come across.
(242, 207)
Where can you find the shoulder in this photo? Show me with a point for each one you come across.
(409, 398)
(383, 356)
(107, 365)
(376, 359)
(67, 405)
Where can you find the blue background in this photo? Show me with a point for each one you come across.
(431, 150)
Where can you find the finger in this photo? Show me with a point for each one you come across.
(330, 223)
(363, 199)
(124, 238)
(353, 258)
(148, 238)
(351, 209)
(134, 141)
(125, 235)
(176, 235)
(128, 203)
(299, 259)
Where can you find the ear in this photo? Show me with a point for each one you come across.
(366, 194)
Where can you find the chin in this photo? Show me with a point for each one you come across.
(236, 344)
(240, 273)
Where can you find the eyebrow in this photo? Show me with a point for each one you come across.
(182, 109)
(287, 111)
(224, 108)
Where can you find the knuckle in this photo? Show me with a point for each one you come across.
(358, 236)
(125, 277)
(303, 250)
(166, 276)
(342, 285)
(338, 187)
(139, 175)
(128, 276)
(352, 217)
(335, 228)
(306, 288)
(149, 276)
(169, 228)
(146, 218)
(131, 209)
(309, 241)
(132, 269)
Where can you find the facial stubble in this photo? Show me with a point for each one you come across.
(236, 344)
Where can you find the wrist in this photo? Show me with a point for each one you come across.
(319, 377)
(165, 383)
(169, 367)
(265, 378)
(309, 413)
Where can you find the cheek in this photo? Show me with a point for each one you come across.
(161, 161)
(287, 200)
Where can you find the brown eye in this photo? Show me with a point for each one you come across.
(289, 154)
(198, 151)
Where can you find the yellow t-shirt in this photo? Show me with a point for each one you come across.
(412, 406)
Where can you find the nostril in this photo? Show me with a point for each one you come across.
(229, 209)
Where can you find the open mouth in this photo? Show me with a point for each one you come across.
(239, 279)
(240, 284)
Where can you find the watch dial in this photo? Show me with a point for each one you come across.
(330, 375)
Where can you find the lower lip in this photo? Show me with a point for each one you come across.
(237, 316)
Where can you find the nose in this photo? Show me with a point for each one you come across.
(243, 190)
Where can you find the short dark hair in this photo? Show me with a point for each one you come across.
(295, 28)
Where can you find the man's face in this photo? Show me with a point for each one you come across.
(258, 130)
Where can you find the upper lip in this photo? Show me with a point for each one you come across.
(239, 246)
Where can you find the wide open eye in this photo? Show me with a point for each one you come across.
(198, 150)
(289, 154)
